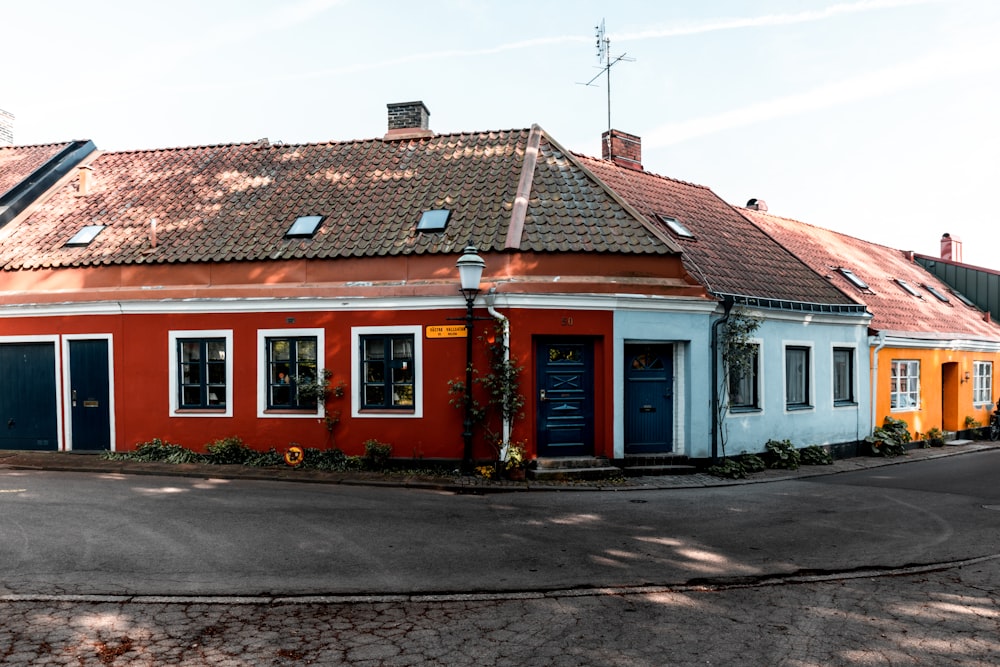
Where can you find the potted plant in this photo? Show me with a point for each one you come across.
(516, 462)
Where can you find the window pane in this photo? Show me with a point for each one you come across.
(843, 375)
(191, 396)
(305, 350)
(796, 376)
(374, 395)
(217, 350)
(190, 350)
(280, 350)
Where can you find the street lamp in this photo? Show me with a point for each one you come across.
(470, 270)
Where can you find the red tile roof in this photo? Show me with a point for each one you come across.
(727, 253)
(18, 162)
(236, 202)
(895, 310)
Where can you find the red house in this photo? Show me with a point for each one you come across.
(188, 294)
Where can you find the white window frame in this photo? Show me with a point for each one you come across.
(759, 372)
(852, 350)
(418, 373)
(809, 388)
(982, 383)
(175, 408)
(262, 377)
(912, 377)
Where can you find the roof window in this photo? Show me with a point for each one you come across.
(909, 288)
(853, 279)
(961, 297)
(304, 227)
(936, 293)
(434, 220)
(85, 236)
(675, 226)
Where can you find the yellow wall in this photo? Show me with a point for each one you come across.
(945, 394)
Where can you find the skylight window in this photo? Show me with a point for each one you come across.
(961, 297)
(85, 235)
(853, 279)
(304, 227)
(434, 220)
(675, 226)
(936, 293)
(909, 288)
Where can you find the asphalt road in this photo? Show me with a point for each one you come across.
(81, 534)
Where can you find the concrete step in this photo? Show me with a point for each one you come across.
(666, 463)
(658, 470)
(573, 467)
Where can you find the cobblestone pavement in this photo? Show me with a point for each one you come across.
(949, 617)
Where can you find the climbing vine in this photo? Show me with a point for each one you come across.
(738, 353)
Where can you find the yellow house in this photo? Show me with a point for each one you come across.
(933, 354)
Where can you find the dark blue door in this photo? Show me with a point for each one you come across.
(649, 409)
(565, 406)
(89, 394)
(28, 396)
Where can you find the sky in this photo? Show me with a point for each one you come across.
(875, 118)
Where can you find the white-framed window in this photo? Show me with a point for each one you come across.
(904, 392)
(287, 358)
(797, 377)
(387, 368)
(744, 388)
(982, 383)
(201, 373)
(843, 376)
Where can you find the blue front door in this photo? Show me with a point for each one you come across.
(565, 401)
(28, 396)
(89, 394)
(649, 409)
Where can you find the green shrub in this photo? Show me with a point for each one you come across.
(156, 450)
(781, 454)
(814, 455)
(377, 454)
(889, 439)
(729, 468)
(229, 450)
(271, 457)
(329, 459)
(752, 462)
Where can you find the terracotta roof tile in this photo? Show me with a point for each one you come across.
(235, 202)
(18, 162)
(894, 310)
(727, 252)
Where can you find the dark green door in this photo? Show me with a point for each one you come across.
(28, 396)
(90, 412)
(565, 407)
(649, 409)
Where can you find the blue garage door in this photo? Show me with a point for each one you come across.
(28, 396)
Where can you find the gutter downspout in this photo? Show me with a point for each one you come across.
(873, 381)
(727, 304)
(505, 427)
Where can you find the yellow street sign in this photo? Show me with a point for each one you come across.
(446, 331)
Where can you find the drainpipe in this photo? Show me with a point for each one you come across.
(873, 381)
(491, 295)
(727, 305)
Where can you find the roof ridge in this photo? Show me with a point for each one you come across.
(820, 227)
(330, 142)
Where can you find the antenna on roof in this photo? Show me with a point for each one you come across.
(604, 57)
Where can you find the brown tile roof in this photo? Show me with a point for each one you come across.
(727, 253)
(236, 202)
(17, 163)
(895, 310)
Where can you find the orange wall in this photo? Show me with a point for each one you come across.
(945, 395)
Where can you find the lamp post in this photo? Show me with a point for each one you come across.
(470, 271)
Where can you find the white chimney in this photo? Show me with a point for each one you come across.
(951, 248)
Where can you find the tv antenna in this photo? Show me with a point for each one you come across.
(604, 57)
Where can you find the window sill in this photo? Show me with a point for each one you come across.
(745, 411)
(386, 411)
(292, 412)
(798, 408)
(845, 404)
(200, 411)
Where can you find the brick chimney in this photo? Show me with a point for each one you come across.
(408, 120)
(6, 128)
(951, 248)
(623, 149)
